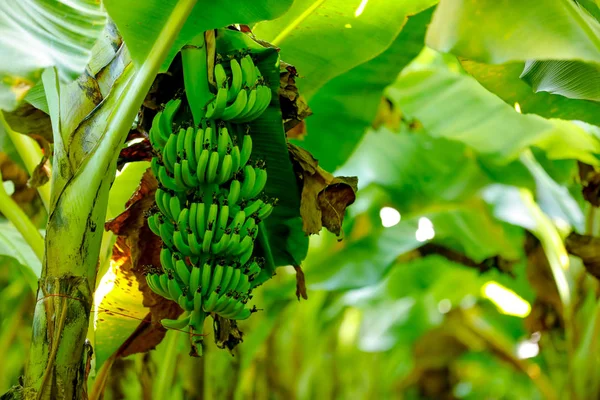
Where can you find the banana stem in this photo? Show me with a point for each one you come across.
(195, 76)
(558, 260)
(31, 154)
(19, 219)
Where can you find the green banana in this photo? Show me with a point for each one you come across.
(223, 303)
(208, 139)
(234, 192)
(222, 222)
(223, 140)
(181, 144)
(236, 107)
(236, 79)
(195, 276)
(224, 174)
(220, 75)
(248, 184)
(167, 116)
(166, 230)
(248, 108)
(180, 244)
(223, 243)
(189, 144)
(198, 144)
(239, 306)
(169, 155)
(213, 164)
(253, 206)
(210, 302)
(166, 259)
(248, 70)
(227, 274)
(153, 224)
(216, 276)
(166, 180)
(260, 181)
(206, 275)
(189, 176)
(235, 159)
(202, 165)
(217, 106)
(183, 272)
(246, 150)
(153, 281)
(156, 139)
(265, 211)
(263, 100)
(177, 324)
(174, 288)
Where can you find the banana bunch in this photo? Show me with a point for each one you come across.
(210, 202)
(242, 94)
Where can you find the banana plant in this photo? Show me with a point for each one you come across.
(90, 118)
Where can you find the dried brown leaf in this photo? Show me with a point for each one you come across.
(30, 121)
(300, 283)
(590, 182)
(294, 107)
(140, 151)
(11, 171)
(588, 249)
(324, 197)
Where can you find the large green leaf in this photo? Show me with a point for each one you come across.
(324, 39)
(125, 184)
(495, 32)
(572, 79)
(417, 171)
(14, 246)
(289, 244)
(37, 34)
(456, 107)
(347, 104)
(503, 80)
(140, 23)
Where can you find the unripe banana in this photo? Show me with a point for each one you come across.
(216, 108)
(248, 184)
(177, 324)
(246, 150)
(236, 79)
(207, 202)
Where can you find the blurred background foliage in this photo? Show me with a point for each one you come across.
(448, 283)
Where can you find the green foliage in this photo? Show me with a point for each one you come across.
(206, 15)
(475, 152)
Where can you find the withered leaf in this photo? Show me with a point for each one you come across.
(590, 182)
(294, 107)
(41, 173)
(23, 194)
(140, 151)
(324, 197)
(30, 121)
(588, 249)
(300, 283)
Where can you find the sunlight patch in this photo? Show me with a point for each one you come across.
(389, 217)
(361, 8)
(425, 230)
(507, 301)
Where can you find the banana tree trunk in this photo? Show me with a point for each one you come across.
(81, 180)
